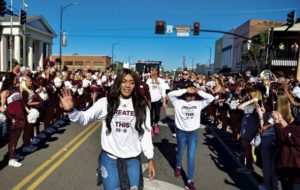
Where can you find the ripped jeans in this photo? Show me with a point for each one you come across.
(109, 172)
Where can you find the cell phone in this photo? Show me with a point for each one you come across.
(271, 121)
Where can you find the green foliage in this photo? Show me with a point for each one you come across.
(256, 55)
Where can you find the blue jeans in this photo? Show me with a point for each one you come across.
(4, 127)
(289, 186)
(268, 149)
(189, 138)
(109, 172)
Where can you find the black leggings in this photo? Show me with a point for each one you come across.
(155, 111)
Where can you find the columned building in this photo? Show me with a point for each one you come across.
(36, 37)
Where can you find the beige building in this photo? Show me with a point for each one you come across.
(85, 62)
(217, 66)
(37, 39)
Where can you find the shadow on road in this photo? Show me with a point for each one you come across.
(224, 163)
(41, 144)
(168, 150)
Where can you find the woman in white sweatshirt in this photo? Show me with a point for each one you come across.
(158, 97)
(188, 106)
(125, 131)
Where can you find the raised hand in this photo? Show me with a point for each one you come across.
(66, 99)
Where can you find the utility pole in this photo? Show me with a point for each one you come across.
(62, 8)
(11, 38)
(24, 7)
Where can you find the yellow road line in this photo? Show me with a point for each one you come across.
(51, 159)
(61, 160)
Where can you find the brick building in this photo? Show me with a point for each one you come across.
(85, 62)
(248, 29)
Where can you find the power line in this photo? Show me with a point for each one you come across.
(190, 13)
(146, 37)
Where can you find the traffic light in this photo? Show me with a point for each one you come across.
(160, 27)
(23, 17)
(2, 7)
(290, 18)
(196, 28)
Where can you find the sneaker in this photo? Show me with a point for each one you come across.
(14, 163)
(190, 186)
(174, 135)
(29, 149)
(19, 157)
(244, 170)
(177, 172)
(49, 130)
(35, 141)
(41, 136)
(55, 126)
(156, 128)
(60, 122)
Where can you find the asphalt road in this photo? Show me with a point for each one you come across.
(68, 160)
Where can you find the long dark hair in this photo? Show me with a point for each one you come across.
(8, 82)
(113, 101)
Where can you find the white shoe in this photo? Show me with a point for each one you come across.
(14, 163)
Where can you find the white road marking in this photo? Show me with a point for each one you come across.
(157, 184)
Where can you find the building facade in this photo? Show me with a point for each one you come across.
(84, 62)
(227, 50)
(217, 66)
(240, 45)
(30, 45)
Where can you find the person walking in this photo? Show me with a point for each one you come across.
(188, 106)
(158, 96)
(125, 131)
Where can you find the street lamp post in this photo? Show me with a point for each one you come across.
(112, 51)
(62, 8)
(129, 57)
(192, 62)
(11, 38)
(209, 61)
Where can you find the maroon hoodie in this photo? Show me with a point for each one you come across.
(288, 153)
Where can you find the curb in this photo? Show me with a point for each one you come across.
(234, 157)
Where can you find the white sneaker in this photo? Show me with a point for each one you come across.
(14, 163)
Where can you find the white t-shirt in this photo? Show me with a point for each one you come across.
(157, 89)
(188, 114)
(123, 141)
(296, 91)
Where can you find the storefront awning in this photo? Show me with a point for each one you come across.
(294, 28)
(287, 63)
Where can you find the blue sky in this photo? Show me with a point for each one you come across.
(94, 25)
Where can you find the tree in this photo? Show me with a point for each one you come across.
(256, 54)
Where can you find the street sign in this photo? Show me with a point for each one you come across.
(169, 28)
(183, 31)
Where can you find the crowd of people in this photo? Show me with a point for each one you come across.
(265, 108)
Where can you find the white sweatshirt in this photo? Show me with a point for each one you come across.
(124, 140)
(188, 114)
(157, 90)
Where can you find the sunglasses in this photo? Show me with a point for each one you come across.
(185, 74)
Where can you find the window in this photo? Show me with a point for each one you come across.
(68, 63)
(98, 64)
(78, 63)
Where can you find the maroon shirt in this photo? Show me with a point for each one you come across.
(288, 153)
(143, 89)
